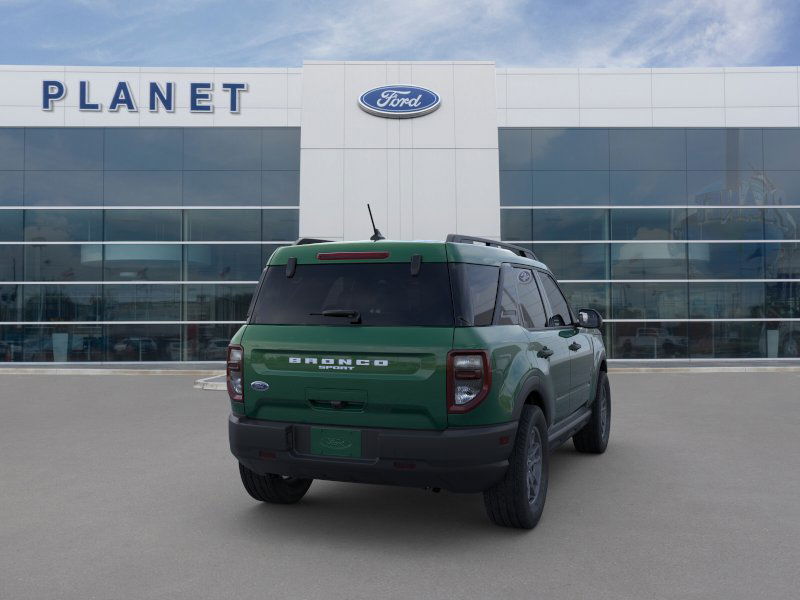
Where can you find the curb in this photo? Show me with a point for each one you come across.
(57, 371)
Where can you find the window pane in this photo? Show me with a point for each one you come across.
(208, 342)
(142, 188)
(280, 188)
(69, 262)
(142, 225)
(782, 261)
(218, 302)
(783, 341)
(65, 188)
(11, 263)
(570, 187)
(222, 225)
(221, 188)
(587, 295)
(648, 261)
(63, 148)
(281, 148)
(727, 340)
(782, 148)
(509, 313)
(581, 224)
(655, 224)
(222, 148)
(560, 313)
(12, 145)
(11, 341)
(783, 299)
(575, 261)
(63, 225)
(726, 261)
(236, 262)
(530, 300)
(143, 148)
(781, 223)
(62, 303)
(724, 149)
(651, 339)
(648, 149)
(726, 224)
(637, 300)
(11, 188)
(63, 343)
(516, 225)
(726, 300)
(474, 293)
(648, 187)
(10, 226)
(783, 187)
(280, 225)
(730, 188)
(142, 302)
(143, 342)
(570, 149)
(10, 309)
(515, 149)
(516, 188)
(154, 262)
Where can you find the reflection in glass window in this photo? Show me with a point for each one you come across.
(11, 188)
(280, 224)
(509, 311)
(62, 343)
(726, 300)
(142, 225)
(143, 342)
(638, 300)
(650, 339)
(724, 149)
(781, 223)
(221, 148)
(143, 148)
(474, 290)
(516, 225)
(142, 188)
(280, 188)
(221, 188)
(726, 224)
(575, 261)
(62, 303)
(648, 224)
(208, 342)
(63, 225)
(570, 149)
(64, 148)
(726, 261)
(557, 188)
(68, 262)
(515, 149)
(782, 261)
(11, 226)
(64, 188)
(210, 302)
(727, 340)
(729, 188)
(559, 309)
(146, 262)
(783, 299)
(12, 148)
(648, 261)
(11, 263)
(648, 149)
(10, 306)
(280, 148)
(783, 187)
(588, 295)
(142, 302)
(783, 340)
(234, 262)
(648, 187)
(782, 149)
(584, 224)
(530, 300)
(222, 225)
(516, 188)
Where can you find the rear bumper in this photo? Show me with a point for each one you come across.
(460, 459)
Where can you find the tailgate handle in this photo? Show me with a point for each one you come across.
(337, 404)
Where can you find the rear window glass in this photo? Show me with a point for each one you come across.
(474, 293)
(384, 294)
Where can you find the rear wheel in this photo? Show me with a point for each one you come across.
(276, 489)
(518, 500)
(593, 438)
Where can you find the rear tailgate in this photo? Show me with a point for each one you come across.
(352, 375)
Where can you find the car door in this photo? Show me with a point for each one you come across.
(578, 343)
(547, 349)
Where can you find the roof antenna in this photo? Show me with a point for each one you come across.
(377, 235)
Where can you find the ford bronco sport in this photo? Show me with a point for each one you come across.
(456, 365)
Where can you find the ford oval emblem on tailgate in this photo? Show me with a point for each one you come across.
(259, 386)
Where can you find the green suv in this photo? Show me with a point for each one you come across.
(456, 365)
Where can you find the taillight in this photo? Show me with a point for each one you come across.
(468, 379)
(234, 372)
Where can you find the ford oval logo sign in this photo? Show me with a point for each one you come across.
(399, 101)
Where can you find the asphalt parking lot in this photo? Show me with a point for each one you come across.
(123, 487)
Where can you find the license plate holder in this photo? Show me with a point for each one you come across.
(329, 441)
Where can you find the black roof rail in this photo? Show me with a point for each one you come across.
(469, 239)
(304, 241)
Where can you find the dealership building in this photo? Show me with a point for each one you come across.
(138, 206)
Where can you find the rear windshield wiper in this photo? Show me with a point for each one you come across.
(353, 315)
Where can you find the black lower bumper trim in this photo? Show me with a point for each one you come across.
(459, 459)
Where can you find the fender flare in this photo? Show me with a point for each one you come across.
(535, 383)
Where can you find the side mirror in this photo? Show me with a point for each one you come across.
(589, 318)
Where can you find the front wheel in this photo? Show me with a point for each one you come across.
(518, 500)
(275, 489)
(593, 437)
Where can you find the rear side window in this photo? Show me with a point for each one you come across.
(558, 303)
(384, 294)
(530, 301)
(508, 299)
(474, 293)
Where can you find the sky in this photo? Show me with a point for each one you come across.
(580, 33)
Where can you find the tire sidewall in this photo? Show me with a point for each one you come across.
(531, 512)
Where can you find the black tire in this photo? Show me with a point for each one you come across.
(518, 500)
(275, 489)
(593, 438)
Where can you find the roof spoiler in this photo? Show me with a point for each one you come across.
(304, 241)
(456, 238)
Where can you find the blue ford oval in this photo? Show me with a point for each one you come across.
(399, 101)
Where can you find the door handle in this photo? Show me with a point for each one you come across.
(545, 352)
(574, 346)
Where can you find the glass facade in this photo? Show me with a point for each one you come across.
(138, 244)
(685, 240)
